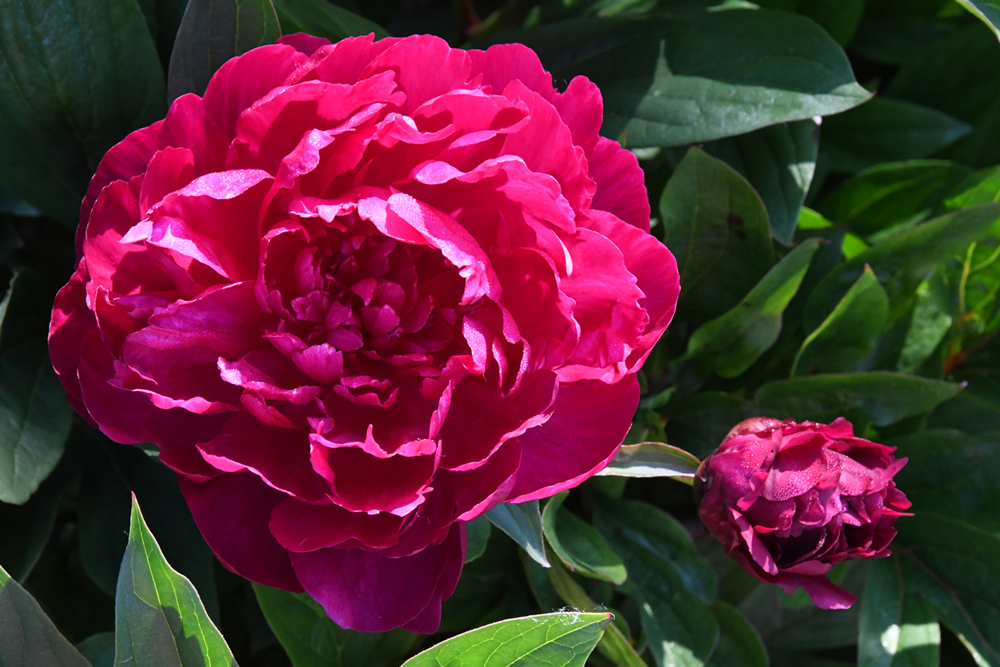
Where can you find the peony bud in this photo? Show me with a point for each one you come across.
(789, 501)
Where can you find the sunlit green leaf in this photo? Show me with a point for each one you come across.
(579, 546)
(652, 459)
(547, 640)
(159, 618)
(323, 19)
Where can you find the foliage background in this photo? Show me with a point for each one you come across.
(825, 171)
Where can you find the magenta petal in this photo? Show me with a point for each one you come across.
(823, 592)
(232, 512)
(621, 186)
(589, 422)
(366, 591)
(71, 321)
(304, 43)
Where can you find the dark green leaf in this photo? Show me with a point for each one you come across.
(928, 327)
(27, 527)
(99, 649)
(212, 32)
(323, 19)
(523, 522)
(159, 618)
(652, 459)
(311, 639)
(716, 226)
(698, 423)
(115, 471)
(953, 473)
(614, 645)
(670, 580)
(739, 643)
(987, 11)
(477, 536)
(889, 195)
(75, 78)
(881, 398)
(27, 636)
(580, 547)
(953, 566)
(695, 76)
(911, 254)
(779, 162)
(729, 344)
(34, 420)
(838, 17)
(896, 628)
(551, 640)
(849, 333)
(887, 130)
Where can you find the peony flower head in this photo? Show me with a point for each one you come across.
(789, 501)
(359, 294)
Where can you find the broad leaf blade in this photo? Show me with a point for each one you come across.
(311, 639)
(323, 19)
(887, 130)
(739, 643)
(987, 11)
(579, 546)
(849, 333)
(75, 78)
(159, 618)
(716, 226)
(691, 77)
(881, 398)
(212, 32)
(551, 640)
(652, 459)
(729, 344)
(27, 636)
(779, 162)
(523, 523)
(901, 193)
(671, 582)
(896, 628)
(477, 536)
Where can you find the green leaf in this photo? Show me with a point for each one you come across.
(716, 226)
(779, 162)
(887, 130)
(311, 639)
(159, 618)
(27, 527)
(546, 640)
(99, 649)
(323, 19)
(896, 627)
(953, 567)
(27, 636)
(957, 474)
(849, 333)
(739, 643)
(614, 645)
(840, 18)
(729, 344)
(882, 398)
(212, 32)
(113, 472)
(35, 419)
(889, 195)
(669, 579)
(523, 523)
(987, 11)
(652, 459)
(912, 254)
(75, 78)
(695, 76)
(698, 423)
(580, 547)
(477, 536)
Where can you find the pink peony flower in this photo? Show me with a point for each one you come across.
(359, 294)
(789, 501)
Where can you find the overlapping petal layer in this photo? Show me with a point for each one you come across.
(358, 294)
(789, 501)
